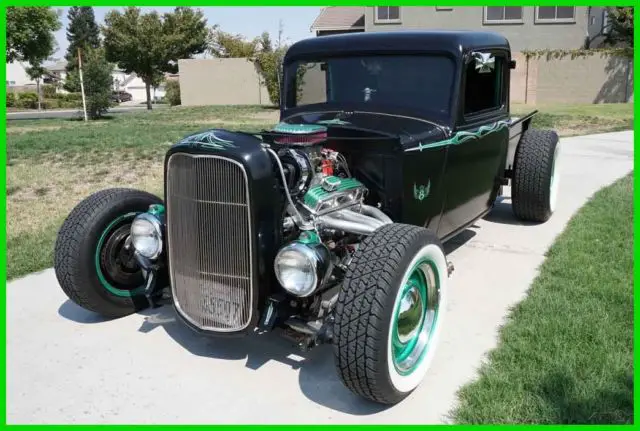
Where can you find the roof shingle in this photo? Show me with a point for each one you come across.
(339, 17)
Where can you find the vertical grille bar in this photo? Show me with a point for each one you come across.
(209, 232)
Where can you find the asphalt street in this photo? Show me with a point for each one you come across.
(66, 365)
(68, 113)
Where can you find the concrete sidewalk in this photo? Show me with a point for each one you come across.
(65, 365)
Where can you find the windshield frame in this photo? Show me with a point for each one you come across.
(289, 108)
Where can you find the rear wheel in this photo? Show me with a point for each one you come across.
(389, 312)
(534, 190)
(94, 261)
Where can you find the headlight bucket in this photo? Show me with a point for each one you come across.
(301, 268)
(146, 235)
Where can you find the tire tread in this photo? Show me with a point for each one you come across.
(68, 251)
(360, 323)
(532, 175)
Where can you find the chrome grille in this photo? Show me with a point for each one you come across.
(209, 233)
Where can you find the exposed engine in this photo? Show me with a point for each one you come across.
(322, 194)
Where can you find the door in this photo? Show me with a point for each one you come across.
(475, 158)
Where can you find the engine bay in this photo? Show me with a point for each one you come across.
(325, 215)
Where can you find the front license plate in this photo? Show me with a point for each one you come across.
(221, 309)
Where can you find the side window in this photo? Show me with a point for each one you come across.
(483, 84)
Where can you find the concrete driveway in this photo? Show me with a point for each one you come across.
(65, 365)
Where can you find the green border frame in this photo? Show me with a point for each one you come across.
(254, 3)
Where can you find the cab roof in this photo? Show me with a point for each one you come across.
(455, 43)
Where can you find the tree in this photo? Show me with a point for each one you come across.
(260, 51)
(36, 73)
(96, 71)
(82, 33)
(226, 45)
(30, 33)
(620, 26)
(150, 44)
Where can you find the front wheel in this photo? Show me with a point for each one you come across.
(389, 312)
(93, 258)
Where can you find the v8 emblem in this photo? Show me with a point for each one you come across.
(420, 192)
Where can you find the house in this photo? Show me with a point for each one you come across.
(526, 27)
(339, 19)
(17, 77)
(122, 81)
(58, 71)
(134, 85)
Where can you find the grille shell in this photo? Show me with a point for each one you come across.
(210, 245)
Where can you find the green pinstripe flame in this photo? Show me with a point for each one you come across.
(463, 136)
(208, 139)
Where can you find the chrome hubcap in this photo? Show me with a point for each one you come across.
(411, 314)
(415, 316)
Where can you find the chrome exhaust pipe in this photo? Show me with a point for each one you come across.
(351, 221)
(375, 213)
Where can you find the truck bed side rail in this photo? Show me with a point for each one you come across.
(517, 126)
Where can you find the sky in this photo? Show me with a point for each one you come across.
(248, 21)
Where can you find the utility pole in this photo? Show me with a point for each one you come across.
(84, 101)
(279, 60)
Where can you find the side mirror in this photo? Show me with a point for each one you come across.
(512, 64)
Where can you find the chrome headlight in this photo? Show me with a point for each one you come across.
(146, 235)
(300, 267)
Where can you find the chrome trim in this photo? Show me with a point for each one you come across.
(157, 226)
(191, 264)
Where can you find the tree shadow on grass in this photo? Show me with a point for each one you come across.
(80, 118)
(566, 403)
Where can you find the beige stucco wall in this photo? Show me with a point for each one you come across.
(315, 86)
(584, 80)
(581, 80)
(596, 79)
(221, 81)
(521, 36)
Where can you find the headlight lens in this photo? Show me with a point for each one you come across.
(296, 269)
(146, 235)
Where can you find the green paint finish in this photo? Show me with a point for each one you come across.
(299, 129)
(157, 210)
(210, 140)
(463, 136)
(421, 192)
(317, 192)
(309, 237)
(114, 290)
(402, 350)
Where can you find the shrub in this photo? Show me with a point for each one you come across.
(172, 94)
(49, 91)
(11, 99)
(28, 100)
(98, 82)
(70, 97)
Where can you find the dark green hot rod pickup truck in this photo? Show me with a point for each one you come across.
(328, 227)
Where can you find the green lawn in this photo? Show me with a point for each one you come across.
(570, 120)
(566, 354)
(53, 164)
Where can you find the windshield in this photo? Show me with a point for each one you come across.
(404, 81)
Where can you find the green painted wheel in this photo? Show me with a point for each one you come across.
(116, 266)
(389, 312)
(93, 258)
(415, 316)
